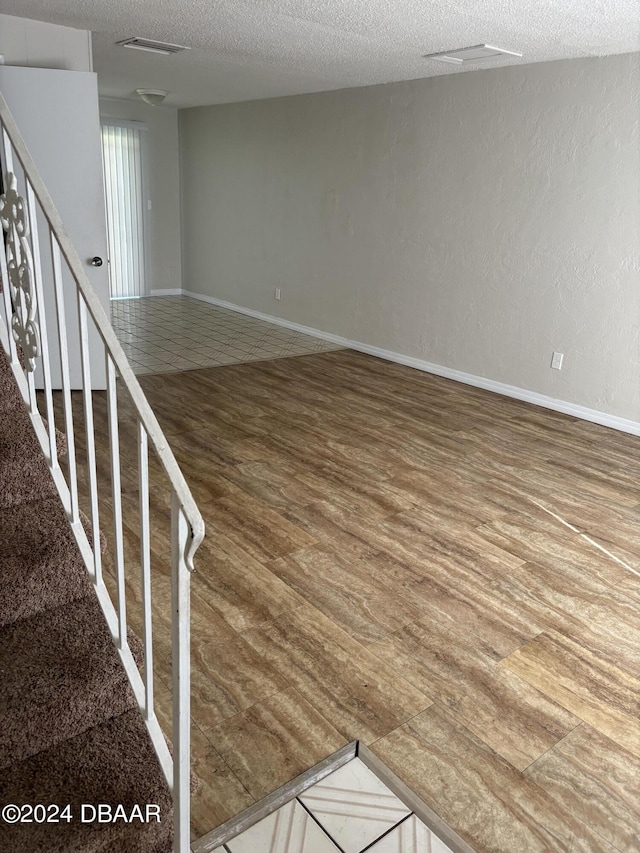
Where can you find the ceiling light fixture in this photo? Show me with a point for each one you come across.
(471, 54)
(153, 97)
(138, 43)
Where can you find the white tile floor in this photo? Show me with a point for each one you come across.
(349, 811)
(354, 806)
(163, 334)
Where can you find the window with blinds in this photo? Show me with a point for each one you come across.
(122, 157)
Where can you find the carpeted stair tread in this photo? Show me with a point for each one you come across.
(60, 674)
(112, 763)
(70, 729)
(24, 474)
(40, 564)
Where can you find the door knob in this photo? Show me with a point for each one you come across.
(96, 262)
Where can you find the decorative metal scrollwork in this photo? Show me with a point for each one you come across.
(14, 220)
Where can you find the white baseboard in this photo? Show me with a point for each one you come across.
(268, 318)
(573, 409)
(170, 291)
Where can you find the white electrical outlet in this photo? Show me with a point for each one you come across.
(556, 360)
(277, 293)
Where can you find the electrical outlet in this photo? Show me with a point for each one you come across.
(277, 293)
(556, 360)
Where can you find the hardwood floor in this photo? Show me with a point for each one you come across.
(411, 562)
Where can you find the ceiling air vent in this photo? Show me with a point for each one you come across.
(153, 46)
(471, 54)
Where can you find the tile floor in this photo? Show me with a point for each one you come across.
(165, 334)
(349, 811)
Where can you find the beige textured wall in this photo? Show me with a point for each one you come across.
(163, 170)
(41, 45)
(477, 221)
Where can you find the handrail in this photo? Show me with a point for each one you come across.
(103, 324)
(24, 336)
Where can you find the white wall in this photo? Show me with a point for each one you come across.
(476, 221)
(41, 45)
(163, 169)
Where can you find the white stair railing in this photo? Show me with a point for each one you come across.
(38, 258)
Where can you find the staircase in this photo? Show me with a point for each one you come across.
(71, 732)
(84, 764)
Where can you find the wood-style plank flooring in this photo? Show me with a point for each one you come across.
(415, 563)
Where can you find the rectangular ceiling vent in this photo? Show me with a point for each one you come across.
(165, 48)
(471, 54)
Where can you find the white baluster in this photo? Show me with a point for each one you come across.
(87, 397)
(58, 285)
(42, 322)
(145, 565)
(180, 624)
(7, 165)
(114, 447)
(6, 302)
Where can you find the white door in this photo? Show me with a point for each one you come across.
(57, 114)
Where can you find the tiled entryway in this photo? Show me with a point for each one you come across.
(164, 334)
(349, 811)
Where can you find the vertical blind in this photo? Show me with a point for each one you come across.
(122, 160)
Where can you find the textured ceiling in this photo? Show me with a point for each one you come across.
(245, 49)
